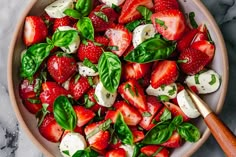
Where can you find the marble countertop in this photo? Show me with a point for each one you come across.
(14, 142)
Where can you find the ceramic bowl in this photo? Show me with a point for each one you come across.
(28, 121)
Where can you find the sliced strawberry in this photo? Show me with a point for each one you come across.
(100, 140)
(119, 37)
(176, 111)
(50, 130)
(35, 30)
(61, 67)
(138, 135)
(134, 94)
(206, 47)
(112, 115)
(119, 152)
(153, 107)
(149, 150)
(129, 49)
(165, 72)
(193, 61)
(169, 23)
(83, 115)
(51, 91)
(199, 37)
(129, 10)
(161, 5)
(174, 141)
(78, 86)
(33, 105)
(64, 21)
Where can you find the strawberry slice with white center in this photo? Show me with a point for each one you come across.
(120, 38)
(84, 115)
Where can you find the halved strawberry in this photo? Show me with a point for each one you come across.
(119, 152)
(169, 23)
(50, 130)
(138, 135)
(33, 105)
(149, 150)
(35, 30)
(83, 115)
(153, 107)
(64, 21)
(129, 10)
(176, 111)
(134, 94)
(78, 86)
(161, 5)
(174, 141)
(165, 72)
(61, 67)
(100, 140)
(120, 38)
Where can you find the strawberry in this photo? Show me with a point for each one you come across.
(50, 130)
(100, 140)
(149, 150)
(138, 135)
(156, 119)
(32, 106)
(78, 86)
(165, 72)
(51, 91)
(119, 152)
(193, 61)
(102, 24)
(134, 94)
(129, 10)
(206, 47)
(153, 107)
(77, 130)
(174, 141)
(35, 30)
(119, 37)
(128, 50)
(61, 67)
(186, 40)
(64, 21)
(199, 37)
(47, 20)
(83, 115)
(176, 111)
(161, 5)
(169, 23)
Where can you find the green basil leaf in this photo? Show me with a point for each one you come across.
(137, 148)
(72, 13)
(88, 152)
(177, 120)
(142, 155)
(196, 78)
(132, 25)
(145, 12)
(40, 115)
(146, 114)
(109, 69)
(101, 15)
(86, 29)
(172, 91)
(163, 98)
(64, 113)
(89, 64)
(166, 115)
(151, 50)
(34, 101)
(88, 103)
(213, 79)
(84, 6)
(192, 20)
(64, 38)
(161, 23)
(189, 132)
(158, 151)
(116, 8)
(123, 131)
(66, 152)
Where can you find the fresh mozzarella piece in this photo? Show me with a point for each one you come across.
(168, 90)
(86, 71)
(72, 48)
(72, 142)
(22, 54)
(110, 2)
(206, 82)
(129, 150)
(186, 104)
(142, 33)
(104, 97)
(56, 9)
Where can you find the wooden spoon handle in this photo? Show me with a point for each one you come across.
(222, 134)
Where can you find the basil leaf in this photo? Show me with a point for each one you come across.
(177, 120)
(172, 91)
(109, 69)
(86, 29)
(158, 151)
(88, 103)
(132, 25)
(163, 98)
(189, 132)
(192, 20)
(213, 79)
(88, 152)
(101, 15)
(123, 131)
(137, 148)
(116, 8)
(142, 155)
(64, 113)
(84, 6)
(66, 152)
(196, 78)
(145, 12)
(64, 38)
(151, 50)
(34, 101)
(166, 115)
(146, 114)
(72, 13)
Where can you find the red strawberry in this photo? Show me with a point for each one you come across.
(193, 61)
(149, 150)
(199, 37)
(156, 119)
(35, 30)
(129, 49)
(119, 36)
(175, 141)
(61, 67)
(134, 94)
(28, 88)
(50, 130)
(206, 47)
(78, 86)
(161, 5)
(83, 115)
(186, 40)
(33, 105)
(119, 152)
(47, 19)
(51, 91)
(138, 135)
(165, 72)
(99, 23)
(169, 23)
(100, 140)
(77, 130)
(176, 111)
(153, 107)
(64, 21)
(129, 10)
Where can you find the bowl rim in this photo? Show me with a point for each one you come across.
(23, 124)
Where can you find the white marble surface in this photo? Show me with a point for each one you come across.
(14, 142)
